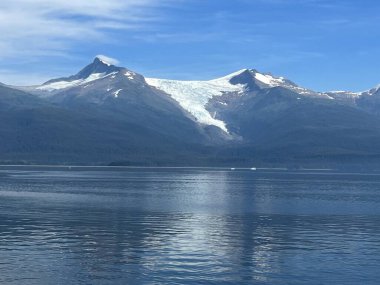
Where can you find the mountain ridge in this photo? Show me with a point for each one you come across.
(243, 117)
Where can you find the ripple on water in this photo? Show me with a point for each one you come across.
(187, 227)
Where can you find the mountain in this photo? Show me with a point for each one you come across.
(278, 120)
(106, 113)
(101, 114)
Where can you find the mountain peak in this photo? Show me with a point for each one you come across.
(101, 62)
(109, 61)
(99, 65)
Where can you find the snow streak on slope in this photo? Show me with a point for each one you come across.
(193, 96)
(117, 92)
(67, 84)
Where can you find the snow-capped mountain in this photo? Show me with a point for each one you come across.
(102, 80)
(195, 96)
(110, 113)
(99, 72)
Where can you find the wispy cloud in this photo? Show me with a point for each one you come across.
(50, 27)
(315, 3)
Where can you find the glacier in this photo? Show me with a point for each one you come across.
(193, 96)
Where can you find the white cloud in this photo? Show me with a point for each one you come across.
(52, 27)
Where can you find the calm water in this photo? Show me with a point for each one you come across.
(188, 226)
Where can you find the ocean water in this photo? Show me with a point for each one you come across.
(188, 226)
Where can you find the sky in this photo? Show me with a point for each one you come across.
(319, 44)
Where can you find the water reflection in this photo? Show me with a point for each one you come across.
(186, 227)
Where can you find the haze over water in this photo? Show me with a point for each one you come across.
(188, 226)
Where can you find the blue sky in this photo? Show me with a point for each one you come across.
(319, 44)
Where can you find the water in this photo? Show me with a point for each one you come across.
(188, 226)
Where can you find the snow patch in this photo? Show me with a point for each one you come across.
(116, 93)
(342, 94)
(269, 79)
(130, 75)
